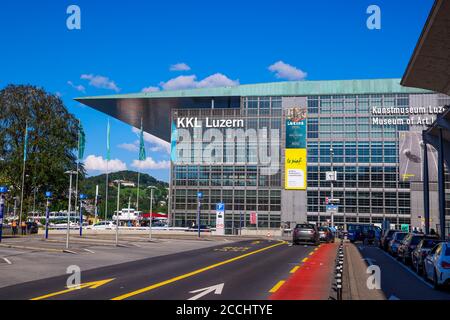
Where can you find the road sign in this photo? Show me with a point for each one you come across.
(331, 176)
(83, 196)
(404, 227)
(332, 208)
(220, 218)
(48, 194)
(3, 189)
(199, 195)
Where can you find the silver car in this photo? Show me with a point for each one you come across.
(437, 265)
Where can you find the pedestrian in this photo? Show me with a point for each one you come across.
(23, 226)
(14, 227)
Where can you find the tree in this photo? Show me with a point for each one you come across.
(51, 146)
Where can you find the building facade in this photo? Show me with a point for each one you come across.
(343, 135)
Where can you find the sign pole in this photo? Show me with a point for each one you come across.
(48, 195)
(2, 209)
(199, 197)
(151, 214)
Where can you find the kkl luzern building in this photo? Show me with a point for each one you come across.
(268, 151)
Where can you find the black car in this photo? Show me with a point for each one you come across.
(306, 232)
(408, 245)
(386, 238)
(421, 252)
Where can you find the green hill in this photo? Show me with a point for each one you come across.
(127, 194)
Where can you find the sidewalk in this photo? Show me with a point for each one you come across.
(355, 277)
(313, 279)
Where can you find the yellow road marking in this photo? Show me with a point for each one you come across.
(294, 269)
(316, 249)
(256, 242)
(277, 286)
(311, 253)
(90, 285)
(305, 259)
(193, 273)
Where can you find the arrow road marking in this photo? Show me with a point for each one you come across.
(393, 297)
(7, 260)
(90, 285)
(217, 289)
(369, 261)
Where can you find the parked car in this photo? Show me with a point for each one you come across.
(407, 246)
(306, 232)
(437, 265)
(363, 232)
(421, 252)
(326, 234)
(386, 238)
(397, 239)
(103, 225)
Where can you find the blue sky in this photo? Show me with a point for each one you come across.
(126, 46)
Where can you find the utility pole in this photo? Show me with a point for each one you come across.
(150, 218)
(70, 173)
(119, 182)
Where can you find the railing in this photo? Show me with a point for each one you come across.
(339, 271)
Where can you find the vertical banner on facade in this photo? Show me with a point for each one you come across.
(295, 152)
(253, 218)
(220, 220)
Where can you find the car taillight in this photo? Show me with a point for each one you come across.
(445, 265)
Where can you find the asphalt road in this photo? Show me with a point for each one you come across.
(400, 282)
(238, 271)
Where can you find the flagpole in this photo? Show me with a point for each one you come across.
(23, 172)
(107, 170)
(78, 169)
(139, 172)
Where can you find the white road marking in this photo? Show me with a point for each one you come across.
(89, 250)
(393, 297)
(408, 269)
(7, 261)
(217, 289)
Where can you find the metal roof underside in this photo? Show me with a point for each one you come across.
(429, 66)
(155, 108)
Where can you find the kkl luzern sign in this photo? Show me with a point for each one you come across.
(199, 145)
(209, 123)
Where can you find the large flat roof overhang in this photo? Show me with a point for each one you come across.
(155, 108)
(429, 67)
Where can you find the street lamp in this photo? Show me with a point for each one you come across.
(48, 195)
(119, 182)
(151, 211)
(3, 190)
(70, 173)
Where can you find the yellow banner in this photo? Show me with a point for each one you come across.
(295, 169)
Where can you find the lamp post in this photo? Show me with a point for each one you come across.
(3, 190)
(70, 173)
(150, 218)
(48, 195)
(119, 182)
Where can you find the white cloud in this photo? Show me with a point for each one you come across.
(180, 67)
(132, 147)
(80, 87)
(149, 163)
(217, 80)
(286, 71)
(100, 82)
(190, 82)
(97, 163)
(150, 89)
(157, 143)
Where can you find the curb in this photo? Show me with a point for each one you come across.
(11, 246)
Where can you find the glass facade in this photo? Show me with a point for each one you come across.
(365, 156)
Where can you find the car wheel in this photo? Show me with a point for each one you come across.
(418, 270)
(435, 281)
